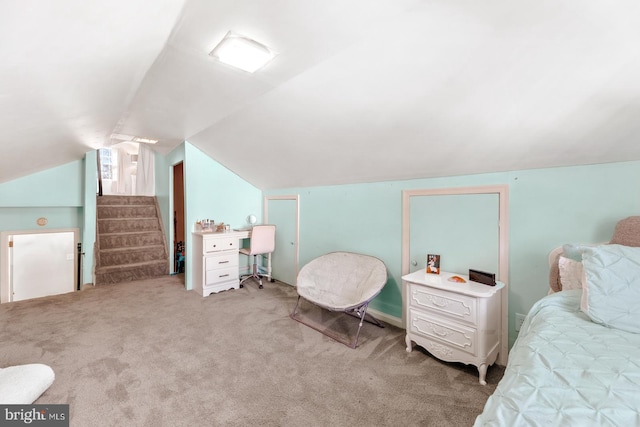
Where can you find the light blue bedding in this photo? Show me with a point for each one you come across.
(565, 370)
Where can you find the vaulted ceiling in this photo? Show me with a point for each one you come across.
(360, 91)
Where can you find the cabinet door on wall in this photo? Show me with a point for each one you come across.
(42, 264)
(463, 229)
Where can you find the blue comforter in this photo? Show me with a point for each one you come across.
(565, 370)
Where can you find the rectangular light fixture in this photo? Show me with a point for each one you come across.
(145, 140)
(242, 52)
(121, 137)
(131, 138)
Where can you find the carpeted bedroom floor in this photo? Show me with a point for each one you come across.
(149, 353)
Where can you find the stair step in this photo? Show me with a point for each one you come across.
(130, 239)
(116, 225)
(126, 211)
(130, 272)
(128, 256)
(125, 200)
(112, 268)
(131, 249)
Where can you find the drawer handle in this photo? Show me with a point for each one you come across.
(439, 302)
(444, 303)
(223, 262)
(439, 332)
(224, 275)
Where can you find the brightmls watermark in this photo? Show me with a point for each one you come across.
(34, 415)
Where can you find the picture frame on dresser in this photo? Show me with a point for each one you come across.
(433, 264)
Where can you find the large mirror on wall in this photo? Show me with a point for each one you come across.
(461, 228)
(467, 227)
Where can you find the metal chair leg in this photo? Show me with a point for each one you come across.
(254, 274)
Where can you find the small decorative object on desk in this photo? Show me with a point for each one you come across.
(433, 264)
(204, 225)
(456, 279)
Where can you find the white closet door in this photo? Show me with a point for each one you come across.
(42, 264)
(284, 260)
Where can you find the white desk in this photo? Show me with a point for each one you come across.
(216, 265)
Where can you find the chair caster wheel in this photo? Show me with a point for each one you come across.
(260, 287)
(242, 286)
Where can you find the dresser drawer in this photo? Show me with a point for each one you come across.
(221, 275)
(456, 306)
(453, 335)
(223, 244)
(222, 260)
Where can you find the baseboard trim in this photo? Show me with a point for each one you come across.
(392, 320)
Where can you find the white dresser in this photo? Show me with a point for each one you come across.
(215, 261)
(456, 322)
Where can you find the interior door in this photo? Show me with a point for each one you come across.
(178, 247)
(42, 264)
(283, 212)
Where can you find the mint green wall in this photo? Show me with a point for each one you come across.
(55, 194)
(24, 218)
(214, 192)
(163, 194)
(59, 186)
(547, 208)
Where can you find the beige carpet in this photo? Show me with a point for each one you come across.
(149, 353)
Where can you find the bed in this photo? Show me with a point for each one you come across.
(576, 361)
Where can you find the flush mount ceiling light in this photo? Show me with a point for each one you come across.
(145, 140)
(121, 137)
(131, 138)
(242, 52)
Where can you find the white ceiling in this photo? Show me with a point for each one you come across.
(361, 90)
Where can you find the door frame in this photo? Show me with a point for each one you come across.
(503, 244)
(172, 209)
(296, 198)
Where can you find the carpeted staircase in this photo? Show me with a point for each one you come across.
(130, 242)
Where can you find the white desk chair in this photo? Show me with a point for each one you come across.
(263, 241)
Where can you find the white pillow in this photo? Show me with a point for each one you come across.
(570, 273)
(611, 286)
(23, 384)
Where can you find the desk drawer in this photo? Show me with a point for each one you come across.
(220, 244)
(223, 260)
(456, 306)
(221, 275)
